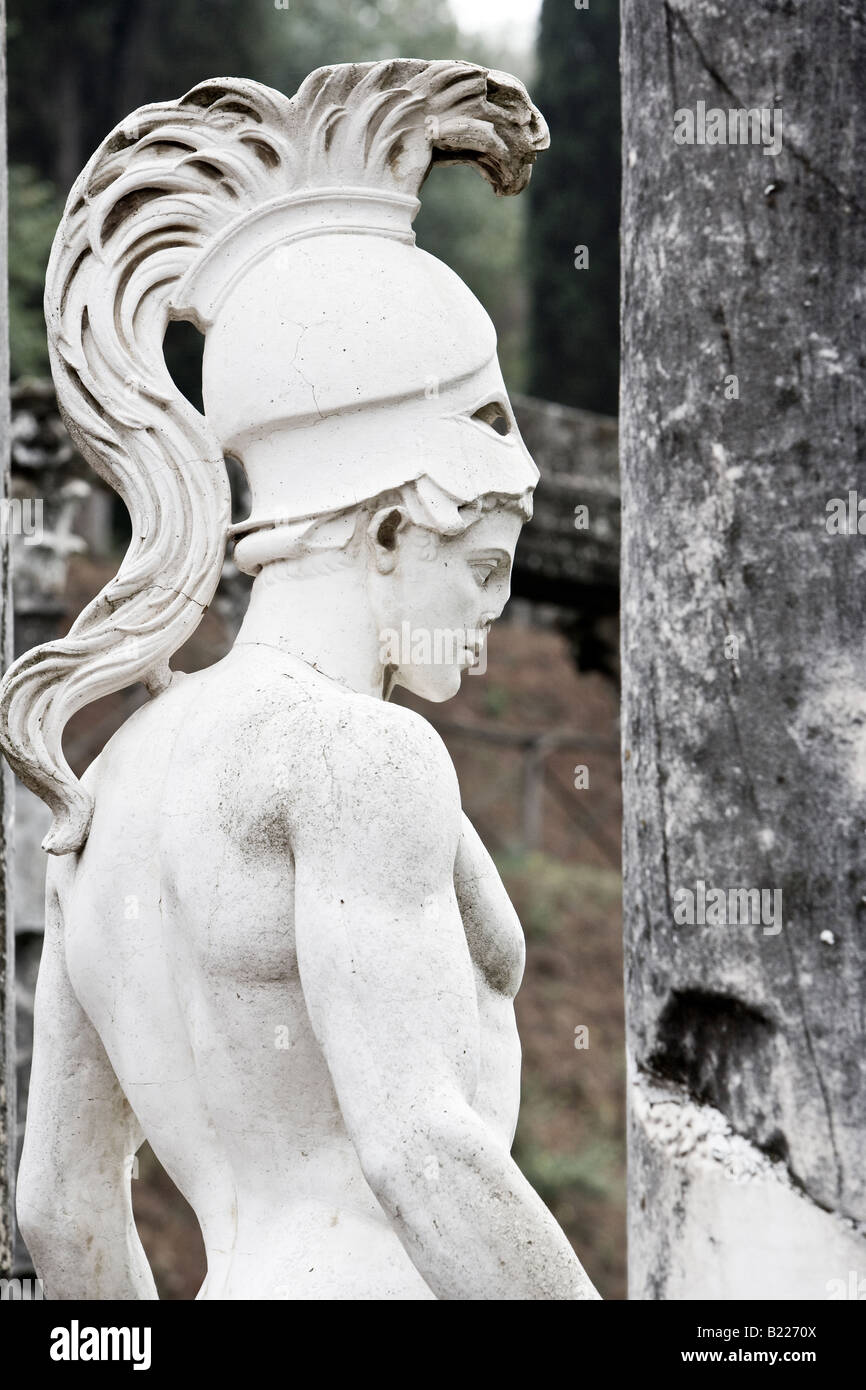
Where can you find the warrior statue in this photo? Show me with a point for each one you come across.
(275, 948)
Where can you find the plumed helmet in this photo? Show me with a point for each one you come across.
(283, 228)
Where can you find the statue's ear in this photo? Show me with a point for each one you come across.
(382, 533)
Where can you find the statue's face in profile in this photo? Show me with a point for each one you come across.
(434, 598)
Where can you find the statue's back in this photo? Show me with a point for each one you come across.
(196, 995)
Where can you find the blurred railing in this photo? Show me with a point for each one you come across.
(538, 779)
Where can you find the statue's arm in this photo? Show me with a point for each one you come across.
(488, 914)
(73, 1194)
(389, 986)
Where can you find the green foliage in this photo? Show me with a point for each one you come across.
(570, 1139)
(481, 237)
(333, 32)
(496, 700)
(574, 200)
(592, 1171)
(34, 211)
(546, 890)
(74, 71)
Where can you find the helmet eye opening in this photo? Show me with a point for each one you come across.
(495, 414)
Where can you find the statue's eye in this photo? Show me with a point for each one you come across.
(496, 416)
(484, 570)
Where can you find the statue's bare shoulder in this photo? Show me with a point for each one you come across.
(298, 747)
(338, 764)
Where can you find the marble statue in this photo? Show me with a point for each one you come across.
(275, 948)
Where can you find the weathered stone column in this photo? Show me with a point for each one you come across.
(7, 958)
(744, 649)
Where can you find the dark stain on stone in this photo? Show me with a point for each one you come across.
(724, 1053)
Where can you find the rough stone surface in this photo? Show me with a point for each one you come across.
(742, 647)
(577, 455)
(569, 556)
(742, 1229)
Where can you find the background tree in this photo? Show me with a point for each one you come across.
(34, 212)
(574, 200)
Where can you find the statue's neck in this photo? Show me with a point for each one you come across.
(322, 619)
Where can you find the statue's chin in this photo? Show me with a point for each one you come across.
(436, 684)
